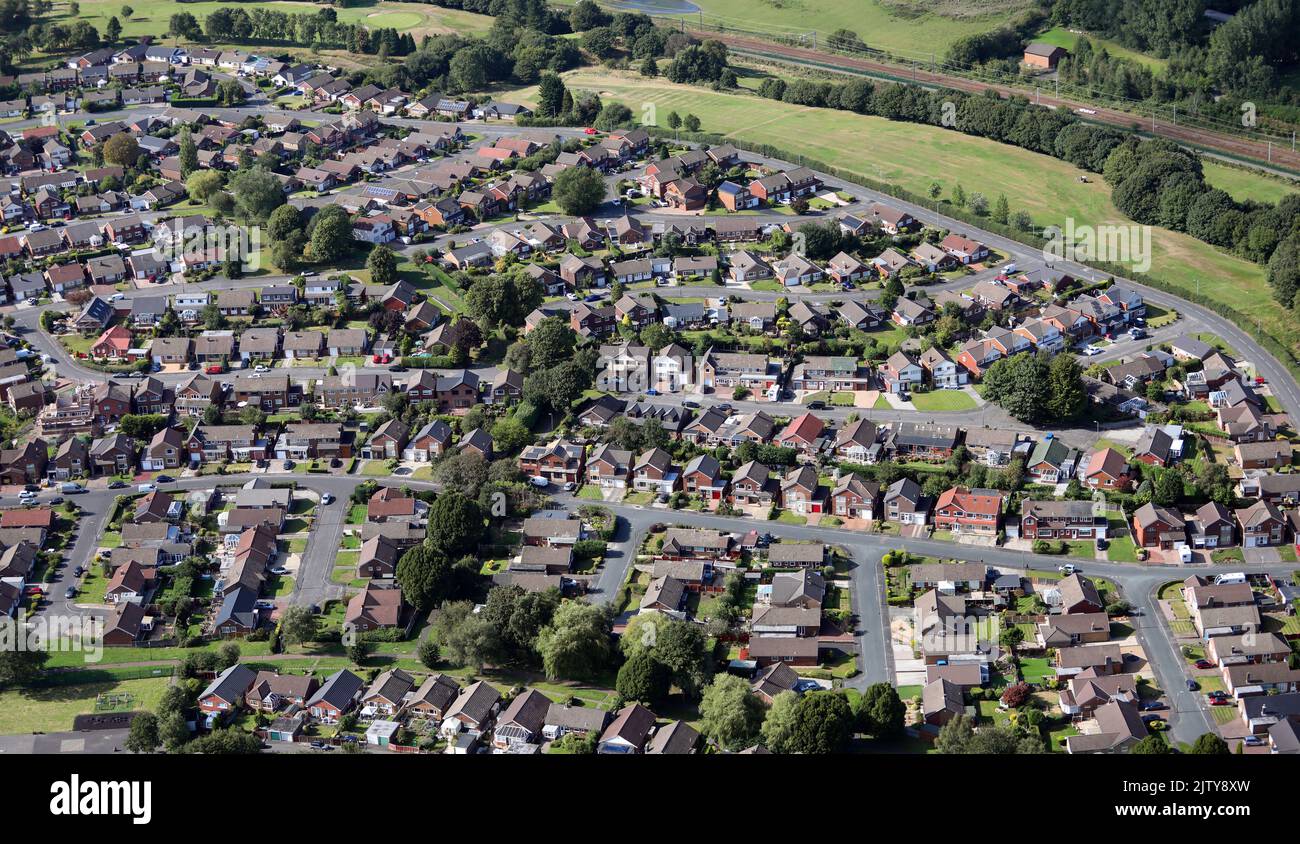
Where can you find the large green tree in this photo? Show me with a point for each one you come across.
(576, 644)
(579, 190)
(729, 712)
(881, 712)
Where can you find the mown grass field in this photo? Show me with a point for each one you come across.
(51, 709)
(1245, 184)
(903, 26)
(913, 156)
(150, 17)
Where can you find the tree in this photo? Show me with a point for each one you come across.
(1068, 396)
(779, 725)
(643, 678)
(881, 711)
(113, 30)
(188, 157)
(427, 653)
(382, 264)
(331, 234)
(121, 149)
(552, 342)
(423, 573)
(455, 524)
(257, 193)
(227, 655)
(144, 736)
(127, 12)
(691, 123)
(298, 625)
(649, 67)
(1153, 744)
(579, 190)
(18, 667)
(576, 644)
(730, 714)
(1210, 744)
(466, 637)
(683, 647)
(510, 435)
(203, 184)
(282, 223)
(173, 731)
(823, 723)
(550, 95)
(1021, 385)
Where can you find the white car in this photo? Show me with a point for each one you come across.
(261, 368)
(1091, 350)
(327, 498)
(26, 495)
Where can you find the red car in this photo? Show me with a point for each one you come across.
(215, 369)
(589, 131)
(1204, 664)
(1220, 701)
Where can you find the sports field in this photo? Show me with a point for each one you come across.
(913, 156)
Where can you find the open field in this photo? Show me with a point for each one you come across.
(1245, 184)
(913, 156)
(902, 26)
(51, 709)
(1063, 37)
(150, 17)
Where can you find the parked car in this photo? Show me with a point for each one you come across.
(816, 405)
(540, 483)
(1252, 741)
(165, 479)
(1153, 706)
(1204, 664)
(570, 486)
(117, 485)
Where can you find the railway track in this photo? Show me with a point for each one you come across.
(1244, 148)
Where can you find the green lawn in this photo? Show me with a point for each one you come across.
(1035, 669)
(51, 709)
(1062, 37)
(908, 28)
(943, 400)
(1122, 550)
(1244, 184)
(149, 17)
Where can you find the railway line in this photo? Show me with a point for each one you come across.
(1275, 156)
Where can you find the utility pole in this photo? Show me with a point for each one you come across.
(1037, 99)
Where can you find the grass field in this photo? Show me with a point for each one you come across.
(149, 17)
(943, 400)
(1245, 184)
(51, 709)
(903, 26)
(914, 156)
(1062, 37)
